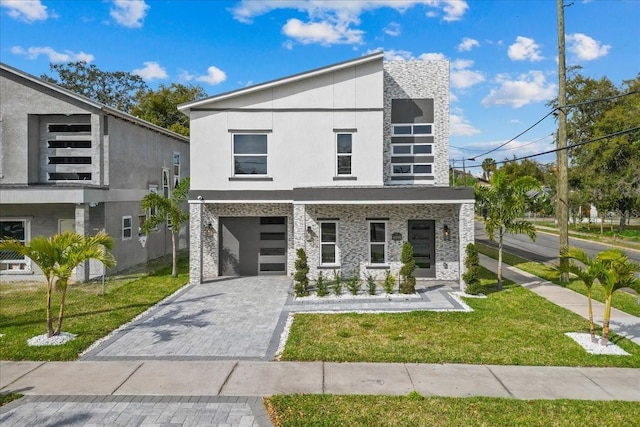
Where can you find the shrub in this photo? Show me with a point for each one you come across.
(371, 284)
(322, 289)
(337, 283)
(472, 276)
(354, 285)
(408, 283)
(389, 282)
(302, 270)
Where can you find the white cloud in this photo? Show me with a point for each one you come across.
(214, 76)
(459, 126)
(185, 76)
(525, 49)
(129, 13)
(528, 88)
(26, 10)
(152, 70)
(332, 22)
(54, 56)
(405, 55)
(462, 77)
(324, 33)
(467, 44)
(393, 29)
(585, 48)
(432, 57)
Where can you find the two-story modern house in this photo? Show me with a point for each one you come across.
(347, 162)
(70, 163)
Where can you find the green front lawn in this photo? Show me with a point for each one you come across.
(510, 327)
(88, 314)
(414, 411)
(629, 303)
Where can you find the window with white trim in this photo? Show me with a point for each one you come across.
(250, 154)
(344, 150)
(166, 187)
(176, 169)
(127, 227)
(329, 253)
(377, 242)
(18, 229)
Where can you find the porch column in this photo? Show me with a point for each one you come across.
(195, 243)
(466, 226)
(82, 228)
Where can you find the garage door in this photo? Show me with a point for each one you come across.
(253, 246)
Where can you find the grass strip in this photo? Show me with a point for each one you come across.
(88, 314)
(510, 327)
(621, 300)
(415, 411)
(8, 398)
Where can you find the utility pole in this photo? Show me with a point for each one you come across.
(562, 210)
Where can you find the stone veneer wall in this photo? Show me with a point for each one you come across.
(466, 234)
(353, 236)
(420, 79)
(205, 249)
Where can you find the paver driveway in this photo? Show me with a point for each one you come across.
(233, 318)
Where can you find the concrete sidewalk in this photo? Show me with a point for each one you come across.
(257, 378)
(621, 323)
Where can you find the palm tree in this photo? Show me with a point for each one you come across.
(617, 273)
(57, 256)
(506, 201)
(168, 208)
(587, 274)
(488, 167)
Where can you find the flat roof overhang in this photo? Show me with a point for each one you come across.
(340, 195)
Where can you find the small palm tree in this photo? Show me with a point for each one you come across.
(168, 208)
(506, 202)
(57, 256)
(587, 273)
(617, 272)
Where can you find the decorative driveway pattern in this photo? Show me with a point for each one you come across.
(110, 411)
(231, 318)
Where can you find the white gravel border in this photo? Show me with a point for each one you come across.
(42, 340)
(347, 295)
(584, 340)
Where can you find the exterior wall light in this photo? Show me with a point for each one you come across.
(209, 231)
(310, 234)
(446, 233)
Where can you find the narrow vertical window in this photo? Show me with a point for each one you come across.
(166, 189)
(344, 151)
(329, 243)
(127, 227)
(176, 169)
(377, 242)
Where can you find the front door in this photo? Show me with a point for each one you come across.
(421, 235)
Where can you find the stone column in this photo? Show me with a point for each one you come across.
(82, 228)
(195, 243)
(466, 227)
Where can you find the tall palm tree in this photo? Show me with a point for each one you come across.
(587, 273)
(57, 256)
(168, 208)
(617, 273)
(506, 201)
(488, 168)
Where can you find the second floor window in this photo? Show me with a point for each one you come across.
(250, 154)
(344, 151)
(127, 227)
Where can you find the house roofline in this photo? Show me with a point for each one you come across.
(186, 107)
(91, 103)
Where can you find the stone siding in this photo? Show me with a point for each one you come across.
(420, 79)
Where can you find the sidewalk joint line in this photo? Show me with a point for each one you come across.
(413, 386)
(128, 377)
(23, 375)
(226, 380)
(500, 381)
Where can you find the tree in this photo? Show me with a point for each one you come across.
(505, 201)
(488, 168)
(472, 276)
(57, 256)
(586, 271)
(116, 89)
(616, 272)
(408, 285)
(168, 208)
(301, 275)
(160, 107)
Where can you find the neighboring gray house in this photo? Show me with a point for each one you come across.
(70, 163)
(346, 162)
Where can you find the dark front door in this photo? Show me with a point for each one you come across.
(422, 237)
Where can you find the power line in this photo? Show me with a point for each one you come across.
(611, 135)
(507, 149)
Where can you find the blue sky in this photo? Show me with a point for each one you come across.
(503, 54)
